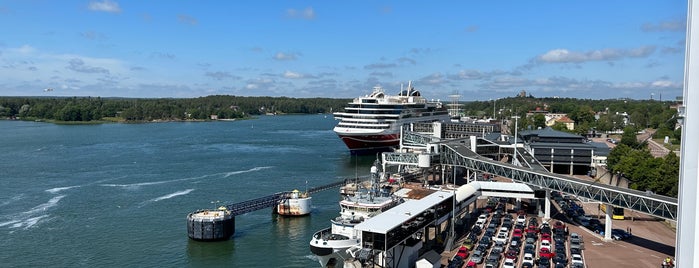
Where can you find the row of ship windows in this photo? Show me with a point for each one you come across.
(362, 127)
(382, 106)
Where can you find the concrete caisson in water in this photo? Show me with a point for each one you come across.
(210, 225)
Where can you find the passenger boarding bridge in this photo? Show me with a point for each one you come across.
(461, 153)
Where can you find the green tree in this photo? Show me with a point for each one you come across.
(629, 137)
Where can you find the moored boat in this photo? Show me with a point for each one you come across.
(330, 244)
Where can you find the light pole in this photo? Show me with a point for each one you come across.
(494, 108)
(515, 155)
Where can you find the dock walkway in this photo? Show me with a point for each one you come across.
(269, 201)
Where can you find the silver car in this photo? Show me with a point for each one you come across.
(477, 256)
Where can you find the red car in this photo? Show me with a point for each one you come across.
(517, 233)
(471, 264)
(546, 236)
(532, 229)
(463, 252)
(546, 253)
(511, 254)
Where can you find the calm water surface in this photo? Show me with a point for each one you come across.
(118, 194)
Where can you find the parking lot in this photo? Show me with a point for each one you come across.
(649, 242)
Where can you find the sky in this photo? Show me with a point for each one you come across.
(478, 50)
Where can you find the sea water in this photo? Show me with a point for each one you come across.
(118, 194)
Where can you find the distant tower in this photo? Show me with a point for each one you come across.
(454, 107)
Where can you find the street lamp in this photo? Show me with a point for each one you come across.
(494, 109)
(515, 155)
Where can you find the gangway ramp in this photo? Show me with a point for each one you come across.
(647, 203)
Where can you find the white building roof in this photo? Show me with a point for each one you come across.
(402, 213)
(396, 216)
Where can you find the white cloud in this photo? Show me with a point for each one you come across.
(221, 75)
(307, 14)
(292, 75)
(285, 56)
(186, 19)
(105, 6)
(606, 54)
(78, 65)
(31, 67)
(25, 49)
(380, 66)
(665, 26)
(665, 84)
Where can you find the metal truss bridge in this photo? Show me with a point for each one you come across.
(457, 153)
(272, 200)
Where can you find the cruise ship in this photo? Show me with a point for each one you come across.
(330, 245)
(372, 123)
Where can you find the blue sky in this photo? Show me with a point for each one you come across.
(481, 50)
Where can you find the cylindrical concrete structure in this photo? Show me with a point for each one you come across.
(210, 225)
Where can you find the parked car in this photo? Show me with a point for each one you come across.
(501, 237)
(545, 253)
(560, 258)
(517, 233)
(499, 247)
(575, 237)
(493, 260)
(529, 248)
(576, 259)
(509, 263)
(511, 254)
(545, 244)
(576, 245)
(456, 262)
(528, 258)
(544, 262)
(463, 252)
(618, 234)
(477, 256)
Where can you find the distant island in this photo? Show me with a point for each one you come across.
(98, 110)
(600, 115)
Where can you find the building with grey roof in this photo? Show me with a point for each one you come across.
(562, 152)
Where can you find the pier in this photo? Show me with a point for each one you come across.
(216, 225)
(269, 201)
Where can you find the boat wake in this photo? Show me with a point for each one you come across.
(28, 219)
(43, 207)
(224, 175)
(168, 196)
(13, 199)
(228, 174)
(58, 189)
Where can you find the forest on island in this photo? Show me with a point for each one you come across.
(85, 109)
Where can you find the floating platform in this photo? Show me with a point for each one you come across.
(210, 225)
